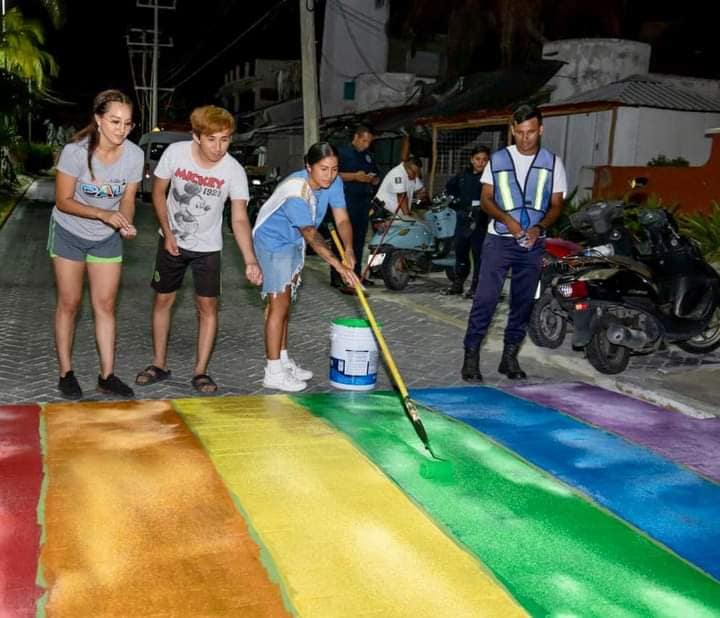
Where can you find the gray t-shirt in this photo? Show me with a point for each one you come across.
(104, 191)
(197, 195)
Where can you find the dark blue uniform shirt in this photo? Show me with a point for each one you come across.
(467, 187)
(353, 161)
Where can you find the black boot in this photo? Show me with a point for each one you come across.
(455, 289)
(471, 365)
(509, 362)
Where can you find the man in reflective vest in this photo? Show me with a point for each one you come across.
(522, 193)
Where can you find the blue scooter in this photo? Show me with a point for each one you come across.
(401, 248)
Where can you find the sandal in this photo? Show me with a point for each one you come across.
(151, 374)
(203, 383)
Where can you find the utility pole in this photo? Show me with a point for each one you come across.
(155, 44)
(309, 72)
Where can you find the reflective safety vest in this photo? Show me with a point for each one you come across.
(526, 205)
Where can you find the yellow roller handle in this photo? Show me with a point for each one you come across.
(389, 361)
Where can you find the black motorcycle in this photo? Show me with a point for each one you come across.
(601, 224)
(663, 292)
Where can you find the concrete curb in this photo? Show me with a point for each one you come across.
(18, 198)
(658, 396)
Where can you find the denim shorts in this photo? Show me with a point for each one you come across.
(280, 269)
(63, 243)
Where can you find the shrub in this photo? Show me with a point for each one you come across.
(705, 230)
(34, 158)
(662, 160)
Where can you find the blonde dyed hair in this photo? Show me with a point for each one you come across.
(210, 119)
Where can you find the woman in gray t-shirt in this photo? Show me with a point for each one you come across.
(97, 177)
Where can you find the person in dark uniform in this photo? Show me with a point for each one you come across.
(360, 177)
(472, 221)
(523, 192)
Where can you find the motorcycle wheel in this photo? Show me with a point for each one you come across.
(606, 357)
(394, 271)
(444, 246)
(546, 328)
(705, 342)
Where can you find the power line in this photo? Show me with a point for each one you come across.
(358, 49)
(233, 42)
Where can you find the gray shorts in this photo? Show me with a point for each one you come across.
(64, 244)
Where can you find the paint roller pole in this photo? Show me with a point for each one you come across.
(408, 405)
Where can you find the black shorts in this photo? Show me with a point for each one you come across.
(170, 271)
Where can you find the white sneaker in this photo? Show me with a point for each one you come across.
(283, 381)
(297, 372)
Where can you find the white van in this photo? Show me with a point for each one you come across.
(153, 145)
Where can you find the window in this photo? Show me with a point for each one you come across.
(349, 91)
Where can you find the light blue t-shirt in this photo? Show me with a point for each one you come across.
(281, 232)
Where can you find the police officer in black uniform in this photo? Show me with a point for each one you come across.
(360, 177)
(472, 221)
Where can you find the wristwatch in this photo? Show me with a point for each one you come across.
(543, 229)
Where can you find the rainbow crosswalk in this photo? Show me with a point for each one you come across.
(327, 505)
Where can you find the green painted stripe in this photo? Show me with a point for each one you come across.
(504, 186)
(556, 553)
(542, 179)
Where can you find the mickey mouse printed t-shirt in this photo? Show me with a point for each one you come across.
(104, 191)
(197, 195)
(396, 182)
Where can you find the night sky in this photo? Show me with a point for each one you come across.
(92, 54)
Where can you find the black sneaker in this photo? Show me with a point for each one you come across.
(69, 386)
(112, 385)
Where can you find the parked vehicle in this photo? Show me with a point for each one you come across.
(620, 305)
(401, 247)
(153, 144)
(602, 226)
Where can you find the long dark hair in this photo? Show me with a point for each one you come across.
(320, 150)
(100, 105)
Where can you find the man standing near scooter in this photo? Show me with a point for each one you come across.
(360, 177)
(472, 221)
(523, 189)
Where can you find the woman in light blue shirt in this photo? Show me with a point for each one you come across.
(285, 223)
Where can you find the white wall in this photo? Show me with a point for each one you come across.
(666, 132)
(580, 140)
(341, 60)
(592, 63)
(641, 134)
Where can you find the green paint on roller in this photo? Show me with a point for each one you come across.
(555, 552)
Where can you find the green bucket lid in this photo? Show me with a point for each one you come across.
(353, 322)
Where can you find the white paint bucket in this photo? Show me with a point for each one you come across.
(353, 355)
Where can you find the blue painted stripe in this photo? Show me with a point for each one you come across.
(679, 509)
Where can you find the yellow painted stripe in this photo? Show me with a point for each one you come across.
(138, 522)
(542, 179)
(345, 539)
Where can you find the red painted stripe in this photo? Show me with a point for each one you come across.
(20, 479)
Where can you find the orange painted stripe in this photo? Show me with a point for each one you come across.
(138, 523)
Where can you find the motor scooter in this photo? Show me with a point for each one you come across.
(402, 247)
(621, 305)
(602, 226)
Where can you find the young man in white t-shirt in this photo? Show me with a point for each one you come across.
(522, 192)
(400, 185)
(193, 180)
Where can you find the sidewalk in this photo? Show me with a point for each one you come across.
(424, 330)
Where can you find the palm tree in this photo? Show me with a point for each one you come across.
(21, 50)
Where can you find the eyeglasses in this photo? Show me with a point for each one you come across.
(116, 123)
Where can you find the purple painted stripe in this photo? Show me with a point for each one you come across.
(691, 442)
